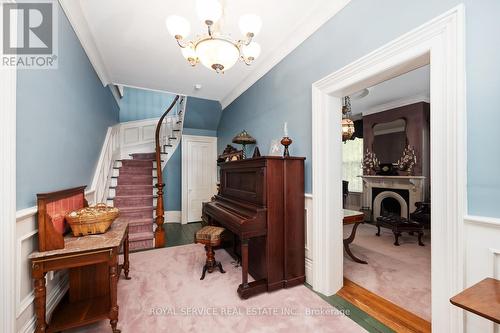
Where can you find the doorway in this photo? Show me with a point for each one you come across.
(440, 44)
(199, 174)
(385, 167)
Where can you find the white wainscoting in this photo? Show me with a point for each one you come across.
(137, 136)
(482, 260)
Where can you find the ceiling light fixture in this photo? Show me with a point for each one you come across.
(347, 123)
(215, 50)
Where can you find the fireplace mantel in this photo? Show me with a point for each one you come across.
(413, 184)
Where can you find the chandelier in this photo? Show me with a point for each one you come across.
(214, 49)
(347, 123)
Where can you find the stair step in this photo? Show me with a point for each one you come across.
(132, 175)
(137, 212)
(141, 236)
(143, 156)
(132, 200)
(141, 245)
(136, 171)
(134, 222)
(132, 167)
(143, 163)
(140, 226)
(133, 189)
(135, 180)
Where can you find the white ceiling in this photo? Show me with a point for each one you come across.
(405, 89)
(128, 43)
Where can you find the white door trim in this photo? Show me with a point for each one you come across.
(185, 140)
(440, 42)
(8, 79)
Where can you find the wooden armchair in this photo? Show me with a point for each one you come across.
(422, 214)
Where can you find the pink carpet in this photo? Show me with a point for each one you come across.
(166, 285)
(400, 274)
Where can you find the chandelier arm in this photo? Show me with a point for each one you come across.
(247, 61)
(182, 43)
(246, 41)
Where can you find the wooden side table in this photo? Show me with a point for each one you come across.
(94, 271)
(483, 299)
(356, 218)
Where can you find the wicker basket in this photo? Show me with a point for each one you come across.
(92, 220)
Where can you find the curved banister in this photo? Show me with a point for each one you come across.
(160, 219)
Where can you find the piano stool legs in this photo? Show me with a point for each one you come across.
(211, 263)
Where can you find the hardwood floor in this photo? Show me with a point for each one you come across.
(180, 234)
(395, 317)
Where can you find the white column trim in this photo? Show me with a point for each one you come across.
(8, 80)
(440, 42)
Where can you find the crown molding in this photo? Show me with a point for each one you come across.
(397, 103)
(74, 13)
(304, 29)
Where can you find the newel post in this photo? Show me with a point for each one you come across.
(160, 212)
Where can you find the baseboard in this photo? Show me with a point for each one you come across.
(53, 299)
(173, 216)
(309, 271)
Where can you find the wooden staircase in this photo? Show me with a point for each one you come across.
(136, 185)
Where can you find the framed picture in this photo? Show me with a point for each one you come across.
(275, 148)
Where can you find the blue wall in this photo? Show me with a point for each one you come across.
(284, 93)
(202, 114)
(138, 104)
(62, 119)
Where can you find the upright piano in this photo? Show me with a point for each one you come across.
(261, 201)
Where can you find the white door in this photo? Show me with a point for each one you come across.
(199, 174)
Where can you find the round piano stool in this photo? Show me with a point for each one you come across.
(209, 236)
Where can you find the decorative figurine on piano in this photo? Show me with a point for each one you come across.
(244, 139)
(286, 141)
(230, 154)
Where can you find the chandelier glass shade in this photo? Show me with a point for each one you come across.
(215, 50)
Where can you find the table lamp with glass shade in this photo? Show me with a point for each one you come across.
(244, 139)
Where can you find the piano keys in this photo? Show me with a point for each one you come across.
(261, 201)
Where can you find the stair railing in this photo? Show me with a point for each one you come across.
(160, 218)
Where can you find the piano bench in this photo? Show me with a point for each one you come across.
(210, 236)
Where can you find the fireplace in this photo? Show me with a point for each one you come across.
(390, 207)
(387, 201)
(392, 195)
